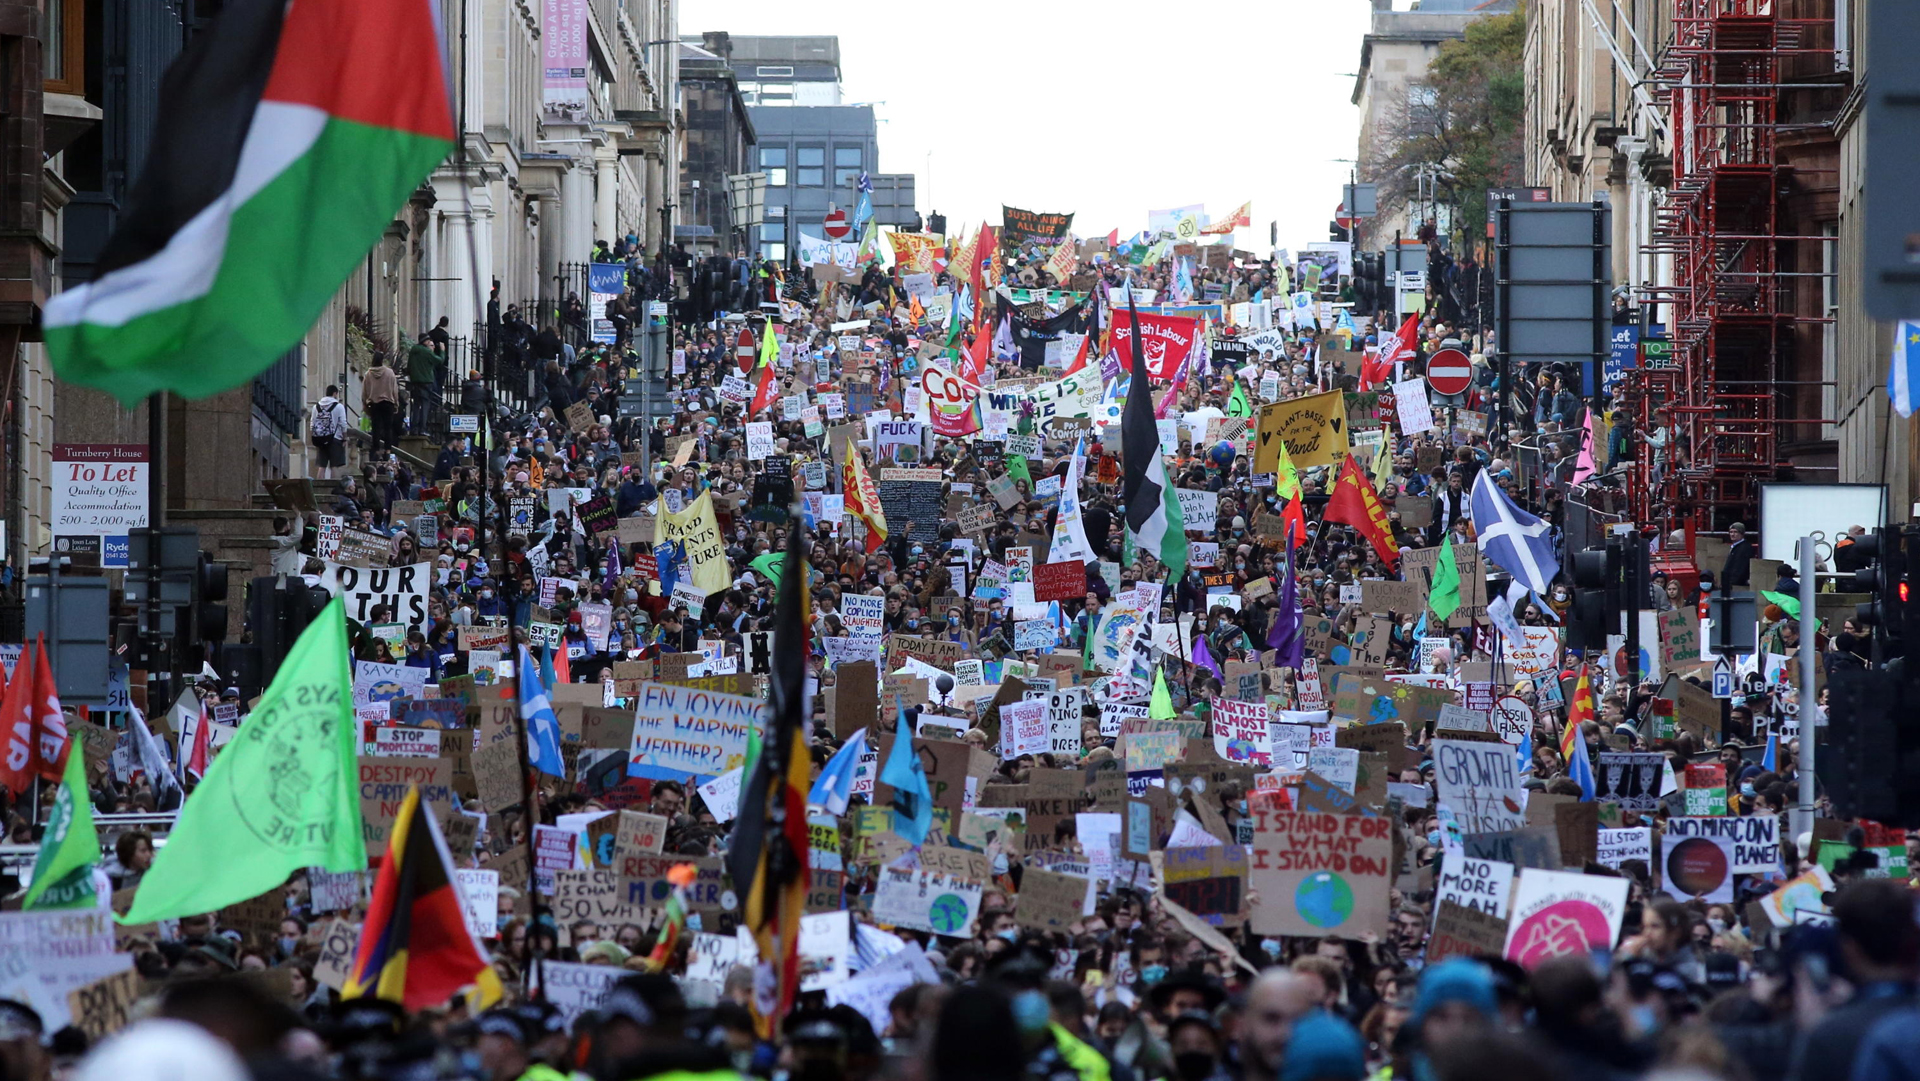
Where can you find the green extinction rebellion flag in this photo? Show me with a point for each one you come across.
(63, 871)
(287, 138)
(283, 795)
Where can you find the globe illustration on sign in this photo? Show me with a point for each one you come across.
(947, 914)
(385, 690)
(1696, 866)
(1324, 900)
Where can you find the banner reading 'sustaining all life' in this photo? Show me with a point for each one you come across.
(684, 728)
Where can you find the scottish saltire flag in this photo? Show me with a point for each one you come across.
(1516, 541)
(536, 712)
(1526, 751)
(1769, 761)
(1580, 768)
(1903, 376)
(835, 785)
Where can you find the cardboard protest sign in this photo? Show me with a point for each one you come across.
(1535, 846)
(1050, 901)
(1418, 565)
(1320, 874)
(592, 895)
(1559, 913)
(1481, 783)
(1461, 931)
(338, 940)
(100, 1008)
(1210, 882)
(383, 787)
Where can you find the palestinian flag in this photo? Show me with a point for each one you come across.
(1152, 506)
(287, 138)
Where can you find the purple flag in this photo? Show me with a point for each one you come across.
(1287, 637)
(1204, 658)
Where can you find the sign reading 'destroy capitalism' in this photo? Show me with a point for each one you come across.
(691, 730)
(99, 489)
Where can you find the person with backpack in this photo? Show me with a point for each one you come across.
(328, 432)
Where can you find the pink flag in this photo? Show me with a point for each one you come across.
(1583, 469)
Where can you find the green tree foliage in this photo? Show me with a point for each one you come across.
(1461, 126)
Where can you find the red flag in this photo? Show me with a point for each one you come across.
(974, 360)
(49, 723)
(16, 720)
(1380, 368)
(1354, 503)
(980, 274)
(763, 392)
(1080, 358)
(202, 748)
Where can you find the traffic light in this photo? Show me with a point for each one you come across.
(1337, 232)
(1365, 299)
(209, 602)
(1596, 603)
(1861, 761)
(279, 607)
(1883, 577)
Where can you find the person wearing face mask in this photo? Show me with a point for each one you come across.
(1049, 1051)
(1194, 1041)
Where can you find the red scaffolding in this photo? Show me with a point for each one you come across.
(1722, 405)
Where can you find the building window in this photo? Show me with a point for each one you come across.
(772, 71)
(776, 94)
(775, 252)
(63, 55)
(773, 162)
(811, 166)
(773, 233)
(848, 161)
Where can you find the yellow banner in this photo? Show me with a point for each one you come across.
(1314, 428)
(914, 251)
(696, 526)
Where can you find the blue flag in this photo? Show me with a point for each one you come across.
(912, 798)
(1903, 375)
(1769, 761)
(835, 786)
(536, 712)
(667, 557)
(863, 210)
(1580, 768)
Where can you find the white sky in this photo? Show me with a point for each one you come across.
(1107, 111)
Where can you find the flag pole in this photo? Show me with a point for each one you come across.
(535, 989)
